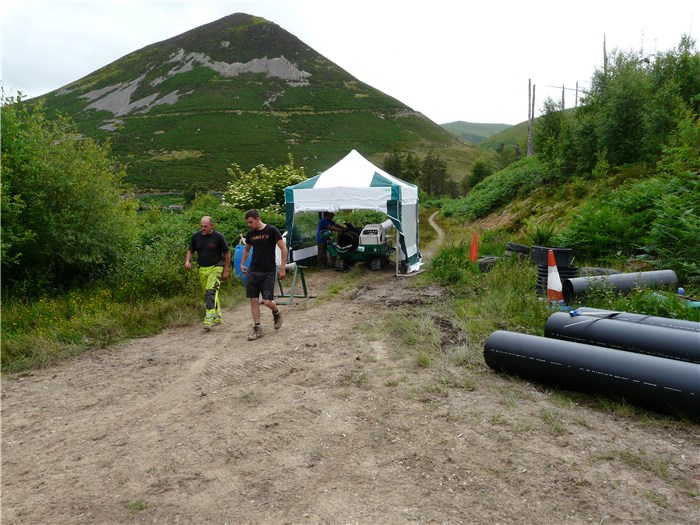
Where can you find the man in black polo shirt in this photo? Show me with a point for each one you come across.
(214, 259)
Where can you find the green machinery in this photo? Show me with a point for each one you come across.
(369, 244)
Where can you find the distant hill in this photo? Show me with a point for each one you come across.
(474, 132)
(241, 90)
(512, 136)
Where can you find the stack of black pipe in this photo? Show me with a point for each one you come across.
(564, 258)
(650, 361)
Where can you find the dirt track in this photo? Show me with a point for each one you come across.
(327, 420)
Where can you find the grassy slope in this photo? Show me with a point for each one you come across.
(248, 119)
(512, 136)
(474, 132)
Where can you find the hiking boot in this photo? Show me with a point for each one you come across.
(255, 333)
(278, 319)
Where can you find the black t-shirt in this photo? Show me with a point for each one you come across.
(263, 242)
(210, 248)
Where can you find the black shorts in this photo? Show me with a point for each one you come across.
(260, 283)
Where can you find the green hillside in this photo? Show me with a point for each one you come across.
(512, 136)
(240, 90)
(474, 132)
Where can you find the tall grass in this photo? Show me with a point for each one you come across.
(148, 290)
(39, 333)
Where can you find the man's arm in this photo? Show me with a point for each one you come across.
(188, 259)
(244, 257)
(283, 248)
(227, 264)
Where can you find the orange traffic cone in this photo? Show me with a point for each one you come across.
(474, 251)
(554, 292)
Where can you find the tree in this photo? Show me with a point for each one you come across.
(392, 164)
(434, 179)
(620, 119)
(481, 169)
(412, 168)
(261, 188)
(508, 154)
(196, 189)
(64, 220)
(548, 129)
(681, 68)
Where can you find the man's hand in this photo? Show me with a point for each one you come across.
(282, 272)
(224, 275)
(188, 265)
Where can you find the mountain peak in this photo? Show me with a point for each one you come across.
(238, 90)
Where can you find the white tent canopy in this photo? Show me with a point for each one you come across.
(355, 183)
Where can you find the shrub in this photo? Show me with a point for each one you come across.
(518, 179)
(618, 223)
(64, 218)
(674, 236)
(261, 188)
(451, 267)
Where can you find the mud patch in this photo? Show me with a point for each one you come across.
(451, 335)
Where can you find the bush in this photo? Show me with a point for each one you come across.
(154, 267)
(518, 179)
(262, 188)
(64, 218)
(618, 223)
(674, 237)
(451, 267)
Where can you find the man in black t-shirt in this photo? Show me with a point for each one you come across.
(214, 259)
(263, 239)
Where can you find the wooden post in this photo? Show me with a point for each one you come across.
(605, 59)
(562, 97)
(530, 116)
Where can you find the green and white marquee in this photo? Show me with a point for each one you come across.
(354, 183)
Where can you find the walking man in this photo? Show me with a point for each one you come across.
(260, 276)
(214, 259)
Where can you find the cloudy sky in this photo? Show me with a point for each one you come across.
(449, 59)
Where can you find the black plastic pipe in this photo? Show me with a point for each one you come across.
(654, 382)
(623, 282)
(665, 322)
(630, 337)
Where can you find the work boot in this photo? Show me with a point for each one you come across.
(278, 319)
(255, 333)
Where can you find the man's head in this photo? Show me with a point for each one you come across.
(252, 217)
(329, 215)
(206, 225)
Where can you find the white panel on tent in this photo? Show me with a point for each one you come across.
(334, 199)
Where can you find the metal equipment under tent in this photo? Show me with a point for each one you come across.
(354, 183)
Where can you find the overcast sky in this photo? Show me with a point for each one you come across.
(449, 59)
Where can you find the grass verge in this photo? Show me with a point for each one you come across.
(36, 334)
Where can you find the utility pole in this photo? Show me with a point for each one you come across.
(605, 59)
(563, 90)
(530, 115)
(562, 97)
